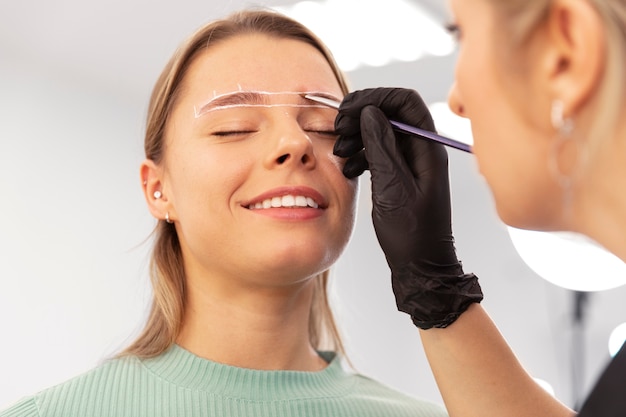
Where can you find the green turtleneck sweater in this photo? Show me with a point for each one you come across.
(180, 384)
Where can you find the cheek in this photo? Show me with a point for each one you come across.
(509, 144)
(208, 176)
(518, 174)
(345, 189)
(345, 219)
(475, 77)
(485, 103)
(349, 190)
(334, 168)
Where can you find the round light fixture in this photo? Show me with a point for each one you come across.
(569, 260)
(545, 385)
(617, 339)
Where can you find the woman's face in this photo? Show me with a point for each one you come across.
(250, 177)
(509, 113)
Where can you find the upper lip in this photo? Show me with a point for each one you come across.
(289, 190)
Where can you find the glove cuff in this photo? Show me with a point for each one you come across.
(434, 301)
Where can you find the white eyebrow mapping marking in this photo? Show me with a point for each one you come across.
(252, 98)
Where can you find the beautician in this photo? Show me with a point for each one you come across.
(544, 85)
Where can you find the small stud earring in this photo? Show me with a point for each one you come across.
(157, 194)
(563, 125)
(167, 217)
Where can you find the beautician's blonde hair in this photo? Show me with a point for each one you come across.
(520, 18)
(166, 267)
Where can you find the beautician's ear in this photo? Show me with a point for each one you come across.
(576, 52)
(152, 185)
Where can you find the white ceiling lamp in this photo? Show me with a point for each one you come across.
(373, 33)
(617, 339)
(565, 259)
(569, 260)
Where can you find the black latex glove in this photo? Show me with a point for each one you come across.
(411, 202)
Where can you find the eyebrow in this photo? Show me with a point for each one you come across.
(233, 99)
(252, 98)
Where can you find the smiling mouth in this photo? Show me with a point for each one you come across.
(286, 201)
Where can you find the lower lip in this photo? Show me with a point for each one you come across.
(293, 214)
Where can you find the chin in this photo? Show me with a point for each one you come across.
(306, 264)
(524, 217)
(301, 262)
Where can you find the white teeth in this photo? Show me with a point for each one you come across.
(289, 201)
(285, 201)
(301, 201)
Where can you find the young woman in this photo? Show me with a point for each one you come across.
(548, 120)
(253, 210)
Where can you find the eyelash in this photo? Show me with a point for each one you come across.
(247, 132)
(232, 132)
(454, 30)
(324, 132)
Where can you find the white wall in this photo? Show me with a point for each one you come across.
(72, 226)
(73, 283)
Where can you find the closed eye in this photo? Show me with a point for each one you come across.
(331, 134)
(232, 132)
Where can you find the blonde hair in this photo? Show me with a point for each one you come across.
(520, 18)
(166, 266)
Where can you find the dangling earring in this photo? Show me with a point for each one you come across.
(167, 217)
(564, 128)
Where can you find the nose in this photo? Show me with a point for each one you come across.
(291, 147)
(454, 101)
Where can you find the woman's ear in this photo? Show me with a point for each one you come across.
(575, 53)
(152, 185)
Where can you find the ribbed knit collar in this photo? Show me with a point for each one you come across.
(181, 367)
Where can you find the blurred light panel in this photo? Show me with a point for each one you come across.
(449, 124)
(569, 260)
(617, 339)
(545, 385)
(373, 33)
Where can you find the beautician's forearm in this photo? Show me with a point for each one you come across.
(478, 374)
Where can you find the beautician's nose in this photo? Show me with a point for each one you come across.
(291, 146)
(454, 101)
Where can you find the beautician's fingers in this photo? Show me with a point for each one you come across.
(399, 104)
(351, 148)
(348, 145)
(410, 192)
(395, 194)
(402, 104)
(391, 176)
(410, 204)
(355, 165)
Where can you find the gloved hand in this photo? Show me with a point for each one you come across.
(411, 202)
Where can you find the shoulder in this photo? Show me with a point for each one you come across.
(24, 408)
(84, 394)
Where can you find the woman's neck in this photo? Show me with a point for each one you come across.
(263, 328)
(607, 225)
(603, 206)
